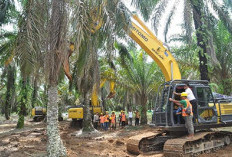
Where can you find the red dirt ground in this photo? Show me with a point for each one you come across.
(31, 141)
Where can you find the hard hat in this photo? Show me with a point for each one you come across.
(113, 111)
(121, 110)
(101, 113)
(184, 94)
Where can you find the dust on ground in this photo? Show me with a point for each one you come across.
(31, 141)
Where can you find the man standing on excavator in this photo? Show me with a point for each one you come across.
(192, 100)
(186, 112)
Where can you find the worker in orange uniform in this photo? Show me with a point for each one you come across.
(106, 124)
(137, 116)
(102, 121)
(123, 119)
(187, 112)
(113, 121)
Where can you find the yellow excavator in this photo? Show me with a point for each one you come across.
(38, 113)
(167, 135)
(77, 113)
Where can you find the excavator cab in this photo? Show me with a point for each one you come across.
(165, 114)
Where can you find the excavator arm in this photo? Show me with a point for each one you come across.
(94, 97)
(155, 49)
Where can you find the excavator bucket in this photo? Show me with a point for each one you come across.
(66, 61)
(112, 91)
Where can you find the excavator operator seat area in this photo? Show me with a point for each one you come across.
(207, 112)
(177, 110)
(166, 113)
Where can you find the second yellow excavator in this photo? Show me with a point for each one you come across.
(77, 113)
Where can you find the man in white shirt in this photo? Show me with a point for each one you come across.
(192, 100)
(130, 116)
(95, 120)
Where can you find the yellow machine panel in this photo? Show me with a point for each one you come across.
(223, 108)
(33, 112)
(44, 110)
(75, 113)
(226, 108)
(97, 109)
(207, 114)
(38, 113)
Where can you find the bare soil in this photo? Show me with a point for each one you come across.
(31, 141)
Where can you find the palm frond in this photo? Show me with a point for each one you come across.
(145, 6)
(32, 36)
(156, 17)
(169, 19)
(228, 3)
(223, 15)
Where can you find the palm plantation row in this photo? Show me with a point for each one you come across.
(34, 55)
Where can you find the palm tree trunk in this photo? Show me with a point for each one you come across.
(103, 99)
(200, 26)
(144, 108)
(10, 90)
(23, 102)
(34, 94)
(45, 93)
(55, 145)
(226, 81)
(87, 122)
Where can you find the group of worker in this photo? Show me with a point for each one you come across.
(187, 108)
(107, 121)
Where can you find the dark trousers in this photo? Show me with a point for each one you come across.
(123, 123)
(136, 121)
(194, 106)
(106, 125)
(95, 125)
(130, 120)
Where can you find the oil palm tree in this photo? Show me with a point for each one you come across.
(95, 25)
(9, 69)
(140, 77)
(57, 28)
(42, 40)
(222, 75)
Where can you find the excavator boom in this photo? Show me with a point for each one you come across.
(155, 49)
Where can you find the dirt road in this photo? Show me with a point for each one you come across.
(31, 141)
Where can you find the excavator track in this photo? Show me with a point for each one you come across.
(202, 142)
(150, 141)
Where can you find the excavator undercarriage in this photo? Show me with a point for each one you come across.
(178, 146)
